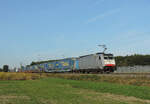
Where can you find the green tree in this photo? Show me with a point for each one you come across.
(132, 60)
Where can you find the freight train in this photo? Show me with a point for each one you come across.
(97, 63)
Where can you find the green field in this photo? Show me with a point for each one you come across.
(64, 91)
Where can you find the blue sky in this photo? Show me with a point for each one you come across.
(33, 30)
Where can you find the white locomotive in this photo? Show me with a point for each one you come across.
(99, 62)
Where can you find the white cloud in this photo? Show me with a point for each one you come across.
(101, 16)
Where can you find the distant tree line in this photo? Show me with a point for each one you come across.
(132, 60)
(4, 69)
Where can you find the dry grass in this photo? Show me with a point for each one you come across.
(97, 96)
(9, 99)
(19, 76)
(138, 80)
(47, 101)
(14, 97)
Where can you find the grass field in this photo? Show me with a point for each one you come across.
(140, 79)
(65, 91)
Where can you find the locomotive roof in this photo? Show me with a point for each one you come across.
(109, 54)
(105, 53)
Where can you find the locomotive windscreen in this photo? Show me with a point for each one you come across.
(108, 56)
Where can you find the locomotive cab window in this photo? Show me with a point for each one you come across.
(111, 58)
(105, 57)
